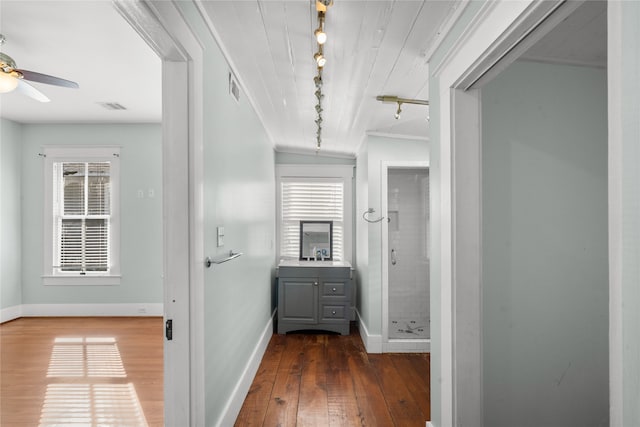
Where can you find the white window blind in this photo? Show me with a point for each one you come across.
(82, 214)
(310, 199)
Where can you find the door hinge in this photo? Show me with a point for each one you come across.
(168, 329)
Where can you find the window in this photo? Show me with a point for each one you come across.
(318, 193)
(81, 215)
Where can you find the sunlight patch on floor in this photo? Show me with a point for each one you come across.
(90, 357)
(95, 393)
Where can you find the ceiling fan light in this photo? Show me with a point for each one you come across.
(8, 83)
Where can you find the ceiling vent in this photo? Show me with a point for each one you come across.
(112, 106)
(234, 88)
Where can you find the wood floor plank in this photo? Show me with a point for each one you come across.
(414, 370)
(255, 405)
(341, 397)
(330, 380)
(401, 403)
(313, 405)
(282, 409)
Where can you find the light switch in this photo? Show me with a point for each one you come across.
(220, 236)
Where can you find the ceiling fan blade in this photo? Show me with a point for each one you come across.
(26, 89)
(50, 80)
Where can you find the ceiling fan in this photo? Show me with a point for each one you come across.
(13, 78)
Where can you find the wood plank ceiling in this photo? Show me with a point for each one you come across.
(373, 48)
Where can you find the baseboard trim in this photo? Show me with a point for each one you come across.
(240, 391)
(10, 313)
(93, 310)
(372, 343)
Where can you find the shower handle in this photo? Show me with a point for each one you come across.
(393, 257)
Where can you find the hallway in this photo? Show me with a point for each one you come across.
(330, 380)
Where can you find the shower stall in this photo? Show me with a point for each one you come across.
(405, 237)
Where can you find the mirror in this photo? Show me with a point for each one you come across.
(316, 240)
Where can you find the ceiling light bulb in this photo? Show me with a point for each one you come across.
(321, 36)
(7, 82)
(399, 111)
(320, 59)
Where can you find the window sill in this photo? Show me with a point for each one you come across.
(81, 280)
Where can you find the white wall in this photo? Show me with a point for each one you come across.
(544, 246)
(373, 152)
(239, 190)
(10, 218)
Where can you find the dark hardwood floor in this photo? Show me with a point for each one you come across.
(109, 371)
(329, 380)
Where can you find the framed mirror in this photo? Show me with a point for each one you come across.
(316, 240)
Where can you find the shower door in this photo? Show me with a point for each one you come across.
(408, 254)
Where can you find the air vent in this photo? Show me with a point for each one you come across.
(112, 106)
(234, 88)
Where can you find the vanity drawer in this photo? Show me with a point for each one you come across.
(333, 312)
(335, 289)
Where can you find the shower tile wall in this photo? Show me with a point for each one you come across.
(408, 213)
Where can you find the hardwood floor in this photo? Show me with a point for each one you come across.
(81, 371)
(330, 380)
(109, 371)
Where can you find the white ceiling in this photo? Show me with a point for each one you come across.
(87, 42)
(374, 48)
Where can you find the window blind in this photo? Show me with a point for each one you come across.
(309, 199)
(82, 209)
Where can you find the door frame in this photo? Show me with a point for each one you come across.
(163, 27)
(495, 37)
(389, 346)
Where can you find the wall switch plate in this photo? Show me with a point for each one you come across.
(220, 236)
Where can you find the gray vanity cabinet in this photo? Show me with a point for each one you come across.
(312, 297)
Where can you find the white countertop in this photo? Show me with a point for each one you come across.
(298, 263)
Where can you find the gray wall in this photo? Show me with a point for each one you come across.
(545, 259)
(10, 219)
(141, 218)
(239, 189)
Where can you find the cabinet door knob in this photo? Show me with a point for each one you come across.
(315, 283)
(334, 289)
(333, 312)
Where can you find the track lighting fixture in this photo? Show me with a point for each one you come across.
(321, 37)
(400, 101)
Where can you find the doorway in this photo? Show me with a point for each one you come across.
(405, 265)
(163, 27)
